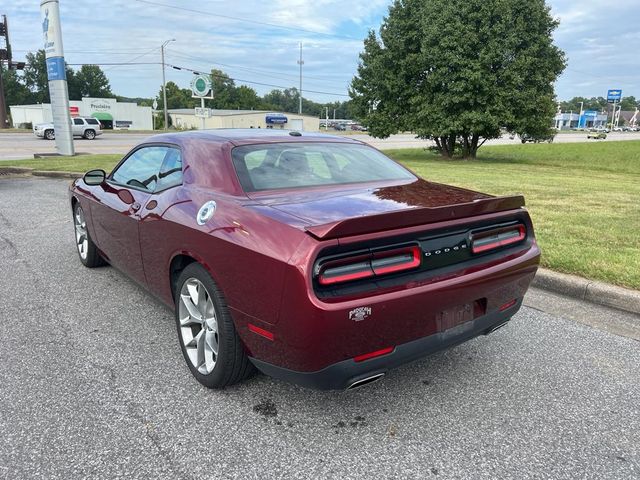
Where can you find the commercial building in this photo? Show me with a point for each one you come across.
(185, 118)
(588, 119)
(111, 113)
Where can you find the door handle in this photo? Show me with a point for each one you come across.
(135, 206)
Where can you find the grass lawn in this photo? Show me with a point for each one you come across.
(584, 198)
(80, 163)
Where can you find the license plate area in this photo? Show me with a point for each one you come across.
(454, 316)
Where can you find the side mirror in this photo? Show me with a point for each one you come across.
(95, 177)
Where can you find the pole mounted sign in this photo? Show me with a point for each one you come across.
(56, 72)
(201, 87)
(614, 96)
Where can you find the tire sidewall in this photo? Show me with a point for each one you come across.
(226, 329)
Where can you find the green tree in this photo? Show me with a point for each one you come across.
(35, 76)
(92, 82)
(456, 71)
(629, 103)
(15, 91)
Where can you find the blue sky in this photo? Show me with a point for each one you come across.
(601, 40)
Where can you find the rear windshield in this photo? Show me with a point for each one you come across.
(298, 165)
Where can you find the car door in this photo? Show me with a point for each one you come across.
(77, 127)
(119, 203)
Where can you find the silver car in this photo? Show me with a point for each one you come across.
(88, 128)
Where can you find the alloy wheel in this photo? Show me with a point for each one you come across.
(198, 325)
(82, 240)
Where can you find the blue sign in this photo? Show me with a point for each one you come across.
(275, 118)
(56, 69)
(614, 95)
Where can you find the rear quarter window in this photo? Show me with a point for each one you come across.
(92, 121)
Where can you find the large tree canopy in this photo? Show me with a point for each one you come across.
(458, 71)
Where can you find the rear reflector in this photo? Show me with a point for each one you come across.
(508, 305)
(261, 331)
(484, 241)
(369, 265)
(377, 353)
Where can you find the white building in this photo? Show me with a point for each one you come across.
(185, 118)
(111, 113)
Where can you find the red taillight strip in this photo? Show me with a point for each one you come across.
(413, 263)
(499, 242)
(377, 263)
(377, 353)
(260, 331)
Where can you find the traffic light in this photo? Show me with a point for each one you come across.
(3, 29)
(17, 65)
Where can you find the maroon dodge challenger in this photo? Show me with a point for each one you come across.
(314, 258)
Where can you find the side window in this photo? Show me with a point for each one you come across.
(78, 121)
(141, 169)
(171, 170)
(92, 121)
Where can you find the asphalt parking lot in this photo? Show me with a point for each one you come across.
(20, 145)
(93, 385)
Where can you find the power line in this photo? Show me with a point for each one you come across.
(255, 22)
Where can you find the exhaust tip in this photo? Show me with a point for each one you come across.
(365, 381)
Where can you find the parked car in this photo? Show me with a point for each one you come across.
(315, 258)
(618, 129)
(340, 127)
(596, 135)
(537, 139)
(88, 128)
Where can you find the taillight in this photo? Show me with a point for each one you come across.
(369, 265)
(500, 237)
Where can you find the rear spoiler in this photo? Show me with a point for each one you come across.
(412, 217)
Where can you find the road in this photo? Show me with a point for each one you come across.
(23, 145)
(93, 385)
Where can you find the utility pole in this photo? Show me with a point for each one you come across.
(164, 85)
(300, 62)
(326, 121)
(4, 54)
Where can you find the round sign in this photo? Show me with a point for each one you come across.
(201, 85)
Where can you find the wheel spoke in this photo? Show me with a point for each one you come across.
(212, 342)
(200, 338)
(192, 310)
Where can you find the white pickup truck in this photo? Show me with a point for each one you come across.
(88, 128)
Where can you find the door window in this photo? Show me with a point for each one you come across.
(142, 168)
(78, 121)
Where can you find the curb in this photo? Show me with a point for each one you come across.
(40, 173)
(590, 291)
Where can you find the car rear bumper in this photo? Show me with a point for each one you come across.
(343, 375)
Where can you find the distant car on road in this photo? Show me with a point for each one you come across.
(534, 139)
(88, 128)
(596, 135)
(340, 127)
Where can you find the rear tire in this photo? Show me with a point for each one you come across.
(89, 134)
(208, 338)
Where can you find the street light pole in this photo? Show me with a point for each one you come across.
(300, 62)
(164, 85)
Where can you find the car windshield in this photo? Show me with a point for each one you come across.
(297, 165)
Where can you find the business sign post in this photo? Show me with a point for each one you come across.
(202, 88)
(56, 72)
(614, 96)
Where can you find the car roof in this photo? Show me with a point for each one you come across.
(244, 136)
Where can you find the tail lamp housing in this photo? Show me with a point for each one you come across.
(496, 238)
(369, 265)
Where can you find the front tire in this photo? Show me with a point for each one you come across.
(208, 338)
(87, 250)
(49, 134)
